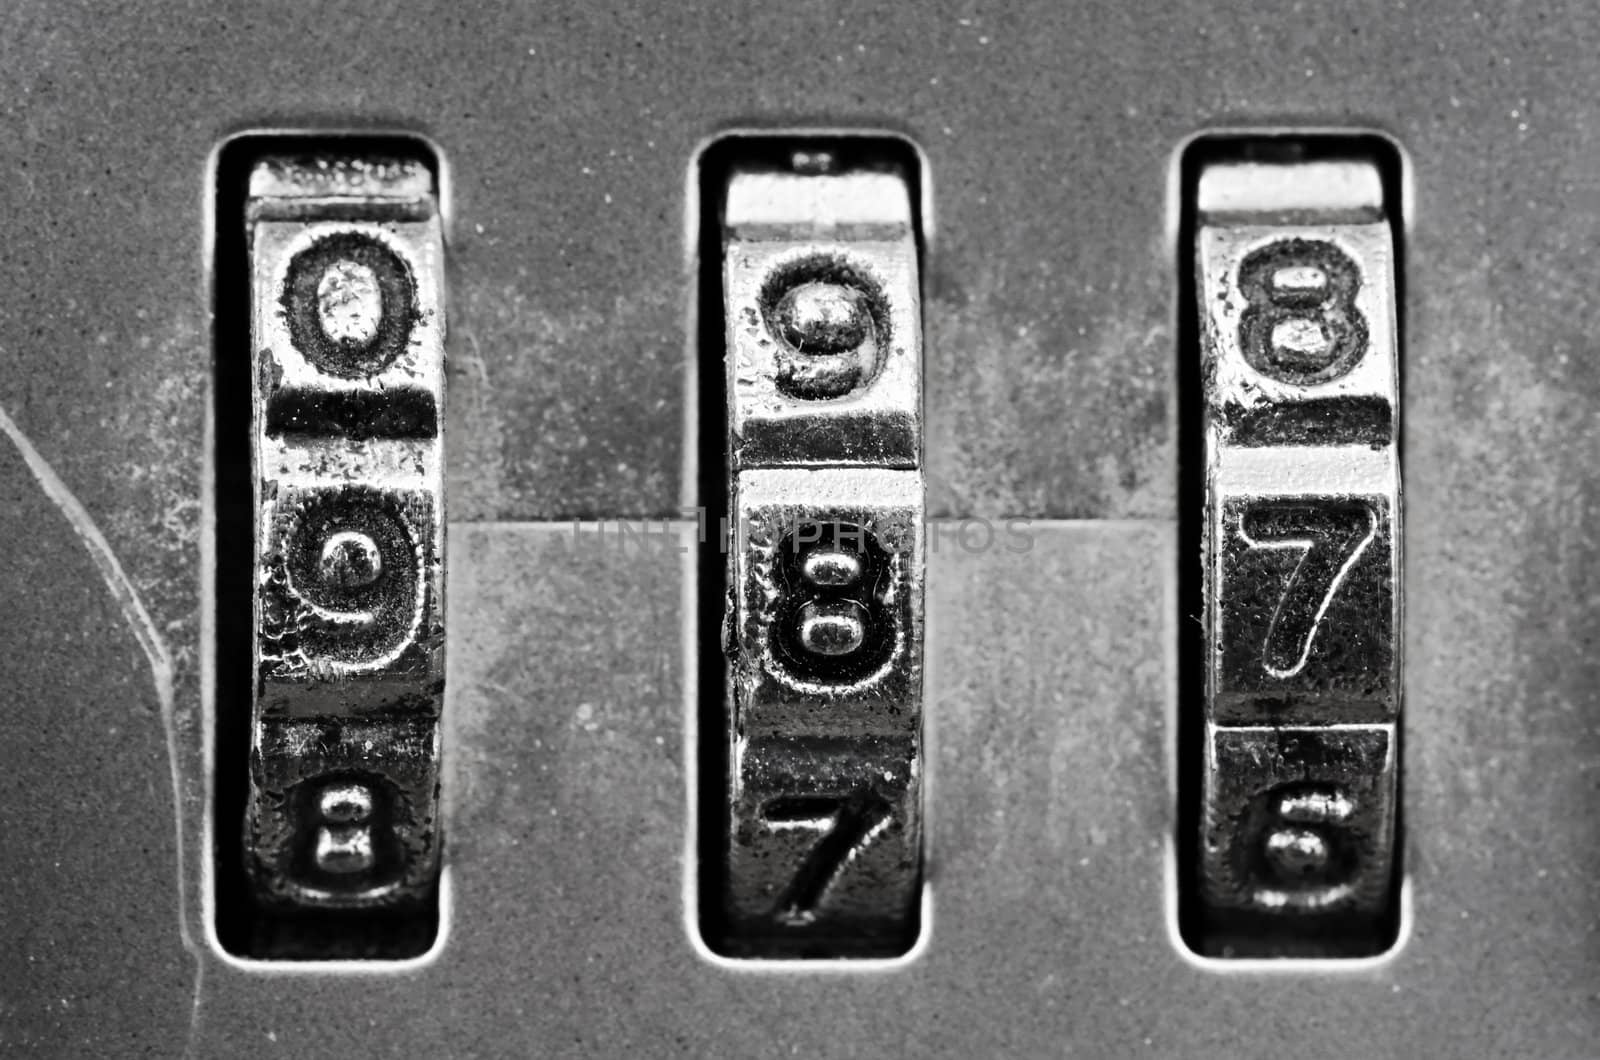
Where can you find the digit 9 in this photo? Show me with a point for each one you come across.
(353, 564)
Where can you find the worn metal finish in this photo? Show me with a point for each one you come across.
(824, 838)
(1302, 588)
(348, 335)
(821, 848)
(567, 130)
(824, 320)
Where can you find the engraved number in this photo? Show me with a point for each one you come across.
(346, 843)
(352, 569)
(1308, 852)
(830, 322)
(1332, 538)
(846, 826)
(832, 625)
(351, 303)
(1301, 325)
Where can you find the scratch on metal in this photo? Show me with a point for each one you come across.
(144, 631)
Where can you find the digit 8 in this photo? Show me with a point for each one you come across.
(347, 842)
(831, 625)
(1301, 324)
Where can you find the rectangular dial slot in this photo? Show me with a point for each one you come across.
(1293, 768)
(331, 318)
(811, 729)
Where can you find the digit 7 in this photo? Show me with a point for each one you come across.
(846, 825)
(1332, 538)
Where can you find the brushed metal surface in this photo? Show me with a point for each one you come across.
(1050, 132)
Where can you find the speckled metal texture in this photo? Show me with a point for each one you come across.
(568, 131)
(811, 676)
(1302, 589)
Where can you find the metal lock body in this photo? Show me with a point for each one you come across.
(1064, 684)
(820, 849)
(1302, 558)
(347, 335)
